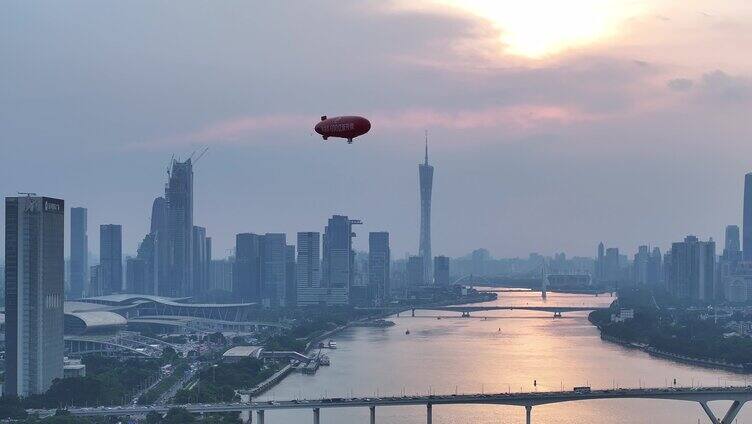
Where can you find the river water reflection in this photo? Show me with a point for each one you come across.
(506, 351)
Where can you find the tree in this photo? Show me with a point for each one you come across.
(153, 417)
(178, 416)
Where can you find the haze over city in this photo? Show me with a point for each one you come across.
(387, 211)
(551, 127)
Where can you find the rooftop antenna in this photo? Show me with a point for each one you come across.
(426, 147)
(28, 194)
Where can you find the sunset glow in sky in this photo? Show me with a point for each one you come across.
(553, 124)
(538, 28)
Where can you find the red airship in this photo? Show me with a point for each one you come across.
(347, 127)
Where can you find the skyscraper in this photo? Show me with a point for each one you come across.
(79, 252)
(308, 269)
(600, 263)
(246, 272)
(111, 258)
(34, 272)
(136, 276)
(441, 270)
(291, 292)
(378, 265)
(200, 261)
(178, 278)
(425, 175)
(415, 270)
(692, 272)
(338, 262)
(747, 218)
(731, 248)
(641, 265)
(148, 254)
(273, 269)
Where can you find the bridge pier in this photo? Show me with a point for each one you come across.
(316, 415)
(429, 413)
(373, 414)
(260, 416)
(528, 413)
(413, 312)
(730, 414)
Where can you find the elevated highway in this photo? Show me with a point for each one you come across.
(701, 395)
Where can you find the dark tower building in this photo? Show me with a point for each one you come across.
(111, 258)
(179, 225)
(79, 252)
(378, 265)
(747, 218)
(338, 262)
(246, 272)
(425, 174)
(34, 293)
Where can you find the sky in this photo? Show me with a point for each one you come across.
(552, 125)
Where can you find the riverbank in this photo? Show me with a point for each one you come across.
(652, 351)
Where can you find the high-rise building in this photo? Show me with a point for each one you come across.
(641, 265)
(148, 254)
(200, 261)
(338, 261)
(34, 272)
(178, 268)
(220, 275)
(441, 271)
(136, 276)
(79, 252)
(415, 270)
(612, 265)
(600, 263)
(747, 218)
(160, 247)
(379, 257)
(246, 272)
(692, 272)
(95, 281)
(425, 175)
(308, 270)
(655, 268)
(273, 269)
(111, 258)
(291, 289)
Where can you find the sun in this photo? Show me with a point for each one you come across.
(540, 28)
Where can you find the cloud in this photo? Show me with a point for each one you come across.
(680, 84)
(722, 88)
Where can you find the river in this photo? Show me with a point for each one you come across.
(506, 351)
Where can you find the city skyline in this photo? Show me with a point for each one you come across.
(638, 116)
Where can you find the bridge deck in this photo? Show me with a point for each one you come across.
(702, 395)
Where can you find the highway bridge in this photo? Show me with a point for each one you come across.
(702, 395)
(466, 310)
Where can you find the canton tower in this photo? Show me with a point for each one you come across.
(425, 175)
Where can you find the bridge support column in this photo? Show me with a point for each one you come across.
(429, 413)
(528, 413)
(260, 416)
(245, 416)
(316, 415)
(373, 414)
(413, 312)
(730, 414)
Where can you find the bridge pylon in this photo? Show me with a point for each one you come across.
(528, 413)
